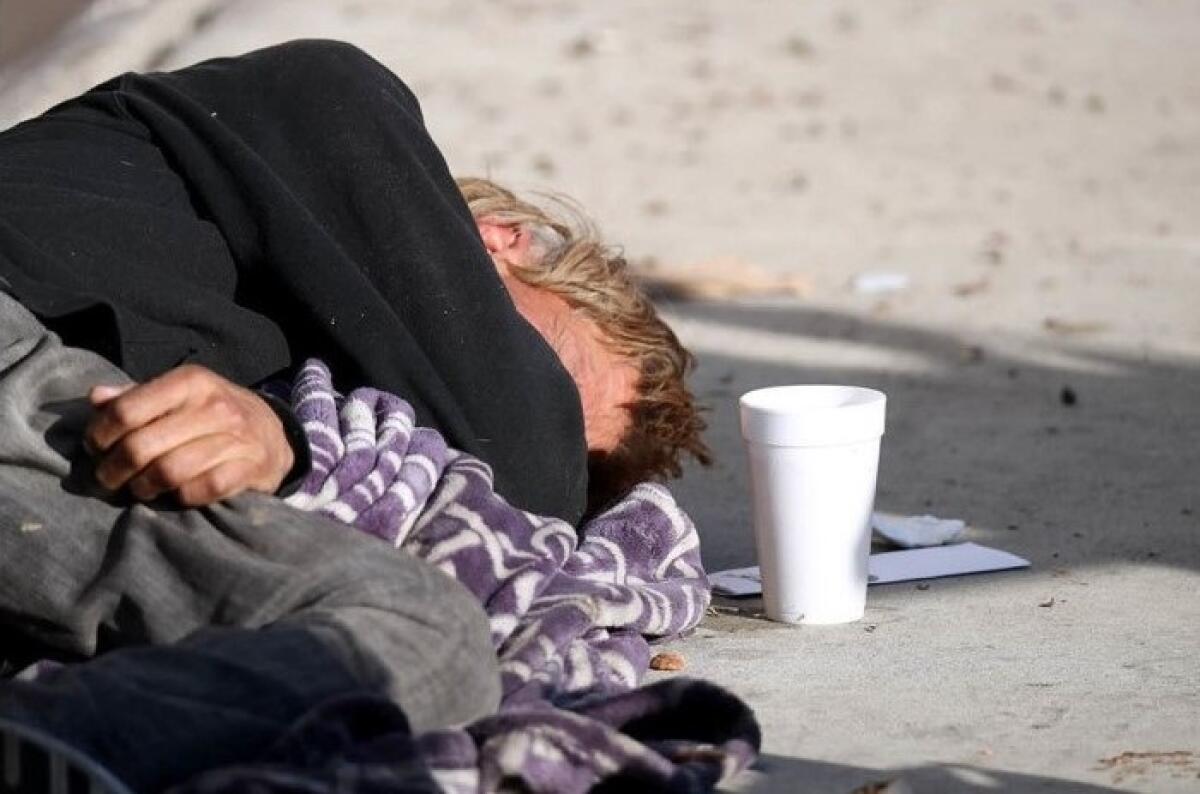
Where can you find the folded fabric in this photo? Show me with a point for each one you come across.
(571, 614)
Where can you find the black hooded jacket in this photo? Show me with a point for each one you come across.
(247, 213)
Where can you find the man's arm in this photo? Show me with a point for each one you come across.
(190, 432)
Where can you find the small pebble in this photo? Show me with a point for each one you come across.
(971, 354)
(668, 661)
(798, 47)
(581, 47)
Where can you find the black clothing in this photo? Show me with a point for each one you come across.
(247, 213)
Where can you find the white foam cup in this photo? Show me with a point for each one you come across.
(814, 454)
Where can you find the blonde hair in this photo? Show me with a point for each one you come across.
(571, 261)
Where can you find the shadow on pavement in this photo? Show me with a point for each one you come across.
(801, 776)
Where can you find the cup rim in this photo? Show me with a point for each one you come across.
(755, 399)
(846, 414)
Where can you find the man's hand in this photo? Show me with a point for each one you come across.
(189, 431)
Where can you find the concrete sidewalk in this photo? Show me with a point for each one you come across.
(1032, 169)
(1060, 678)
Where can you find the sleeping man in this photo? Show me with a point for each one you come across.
(170, 244)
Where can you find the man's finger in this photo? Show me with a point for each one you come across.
(220, 482)
(99, 395)
(184, 464)
(137, 406)
(138, 448)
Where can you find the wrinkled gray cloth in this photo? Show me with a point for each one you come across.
(81, 575)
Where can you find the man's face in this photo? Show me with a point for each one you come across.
(607, 382)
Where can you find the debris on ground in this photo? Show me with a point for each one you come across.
(798, 47)
(916, 531)
(1068, 396)
(1180, 763)
(707, 281)
(969, 288)
(994, 246)
(1068, 328)
(889, 567)
(581, 47)
(971, 354)
(668, 661)
(895, 786)
(879, 281)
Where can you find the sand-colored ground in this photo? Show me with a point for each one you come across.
(1032, 168)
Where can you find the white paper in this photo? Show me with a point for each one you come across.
(913, 532)
(893, 566)
(935, 561)
(736, 582)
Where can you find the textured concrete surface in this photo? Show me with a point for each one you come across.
(1033, 168)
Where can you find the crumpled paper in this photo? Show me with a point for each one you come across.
(912, 532)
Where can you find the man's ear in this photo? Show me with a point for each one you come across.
(497, 238)
(508, 243)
